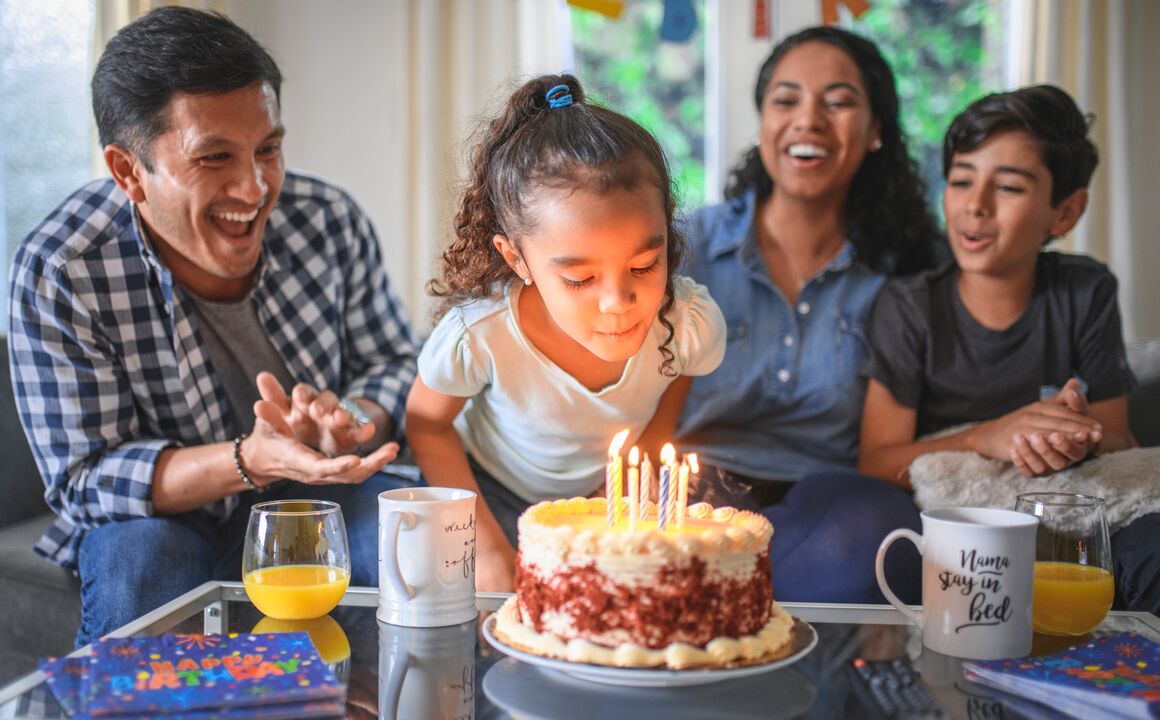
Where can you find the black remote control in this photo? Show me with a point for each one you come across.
(891, 689)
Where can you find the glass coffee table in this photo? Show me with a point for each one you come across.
(454, 673)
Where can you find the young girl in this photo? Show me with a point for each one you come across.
(563, 321)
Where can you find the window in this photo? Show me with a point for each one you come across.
(625, 65)
(945, 54)
(45, 67)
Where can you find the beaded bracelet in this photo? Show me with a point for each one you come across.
(238, 464)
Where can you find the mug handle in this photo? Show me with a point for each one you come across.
(396, 521)
(393, 687)
(879, 563)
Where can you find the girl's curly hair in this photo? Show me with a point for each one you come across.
(887, 218)
(530, 147)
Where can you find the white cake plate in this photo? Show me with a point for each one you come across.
(804, 640)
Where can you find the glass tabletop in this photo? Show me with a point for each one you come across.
(396, 672)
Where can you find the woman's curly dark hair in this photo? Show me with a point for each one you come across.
(886, 216)
(530, 147)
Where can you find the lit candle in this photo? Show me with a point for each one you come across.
(666, 491)
(682, 493)
(612, 477)
(646, 478)
(633, 487)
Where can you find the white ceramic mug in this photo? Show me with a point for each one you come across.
(978, 565)
(427, 673)
(427, 556)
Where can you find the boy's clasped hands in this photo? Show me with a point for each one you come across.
(1043, 437)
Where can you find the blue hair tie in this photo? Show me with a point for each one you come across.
(560, 100)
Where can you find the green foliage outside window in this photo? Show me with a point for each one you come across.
(945, 54)
(624, 65)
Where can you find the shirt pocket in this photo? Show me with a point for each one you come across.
(851, 352)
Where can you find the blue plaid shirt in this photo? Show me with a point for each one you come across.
(109, 369)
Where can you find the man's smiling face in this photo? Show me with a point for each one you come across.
(217, 170)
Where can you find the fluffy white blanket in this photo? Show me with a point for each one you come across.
(1128, 481)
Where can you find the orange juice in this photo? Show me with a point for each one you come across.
(296, 592)
(327, 635)
(1070, 599)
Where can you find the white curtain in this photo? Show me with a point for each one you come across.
(1104, 53)
(454, 65)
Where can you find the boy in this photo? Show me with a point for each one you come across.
(1023, 345)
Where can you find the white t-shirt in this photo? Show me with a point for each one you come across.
(534, 427)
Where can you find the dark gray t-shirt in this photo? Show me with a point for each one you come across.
(933, 356)
(239, 349)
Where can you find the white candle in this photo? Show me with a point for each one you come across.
(646, 479)
(633, 487)
(613, 490)
(682, 493)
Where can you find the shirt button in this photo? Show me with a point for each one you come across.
(804, 307)
(787, 340)
(783, 375)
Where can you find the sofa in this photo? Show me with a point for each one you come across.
(40, 607)
(41, 602)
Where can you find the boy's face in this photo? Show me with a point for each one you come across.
(998, 206)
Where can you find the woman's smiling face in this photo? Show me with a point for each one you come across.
(816, 122)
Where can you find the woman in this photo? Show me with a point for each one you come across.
(816, 216)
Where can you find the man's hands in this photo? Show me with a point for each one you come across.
(1043, 437)
(308, 437)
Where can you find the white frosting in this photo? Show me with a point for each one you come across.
(718, 652)
(558, 534)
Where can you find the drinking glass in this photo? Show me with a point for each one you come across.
(295, 564)
(1073, 562)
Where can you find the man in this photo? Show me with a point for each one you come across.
(158, 316)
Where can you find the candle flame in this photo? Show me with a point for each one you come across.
(694, 466)
(634, 456)
(668, 454)
(617, 442)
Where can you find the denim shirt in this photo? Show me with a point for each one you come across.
(787, 400)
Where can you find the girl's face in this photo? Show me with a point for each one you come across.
(599, 263)
(816, 123)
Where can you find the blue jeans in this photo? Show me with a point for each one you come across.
(1136, 554)
(826, 532)
(130, 568)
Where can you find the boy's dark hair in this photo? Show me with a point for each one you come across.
(1046, 113)
(171, 50)
(885, 212)
(531, 146)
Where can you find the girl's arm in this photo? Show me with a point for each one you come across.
(441, 457)
(663, 426)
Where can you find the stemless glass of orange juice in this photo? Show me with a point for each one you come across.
(1073, 562)
(295, 563)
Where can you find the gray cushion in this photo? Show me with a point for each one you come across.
(1144, 402)
(23, 490)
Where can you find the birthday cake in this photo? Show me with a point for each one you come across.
(696, 595)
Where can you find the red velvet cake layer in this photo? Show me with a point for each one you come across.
(684, 604)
